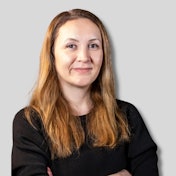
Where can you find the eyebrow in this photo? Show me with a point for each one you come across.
(73, 39)
(68, 39)
(95, 39)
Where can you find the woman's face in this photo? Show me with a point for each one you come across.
(78, 53)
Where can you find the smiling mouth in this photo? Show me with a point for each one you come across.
(82, 70)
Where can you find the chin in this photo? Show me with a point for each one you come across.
(83, 84)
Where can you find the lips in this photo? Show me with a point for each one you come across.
(82, 69)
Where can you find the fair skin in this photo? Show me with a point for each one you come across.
(121, 173)
(78, 60)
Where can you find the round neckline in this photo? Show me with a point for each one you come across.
(83, 116)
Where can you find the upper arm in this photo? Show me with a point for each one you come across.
(142, 150)
(30, 154)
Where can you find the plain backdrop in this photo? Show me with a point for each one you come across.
(143, 34)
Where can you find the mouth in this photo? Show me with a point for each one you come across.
(82, 70)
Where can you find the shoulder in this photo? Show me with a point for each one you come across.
(25, 132)
(20, 121)
(132, 114)
(19, 118)
(136, 122)
(127, 107)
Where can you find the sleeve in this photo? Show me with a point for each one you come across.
(142, 151)
(30, 154)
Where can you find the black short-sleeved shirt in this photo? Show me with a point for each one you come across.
(31, 154)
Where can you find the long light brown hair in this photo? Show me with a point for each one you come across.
(106, 125)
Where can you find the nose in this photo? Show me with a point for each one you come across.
(83, 55)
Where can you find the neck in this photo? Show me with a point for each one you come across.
(79, 99)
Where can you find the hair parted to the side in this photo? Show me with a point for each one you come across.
(106, 124)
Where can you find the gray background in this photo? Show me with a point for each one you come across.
(143, 34)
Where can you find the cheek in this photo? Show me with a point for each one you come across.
(63, 64)
(57, 63)
(64, 58)
(60, 60)
(99, 61)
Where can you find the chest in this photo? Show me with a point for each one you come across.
(92, 162)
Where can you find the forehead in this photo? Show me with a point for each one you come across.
(80, 26)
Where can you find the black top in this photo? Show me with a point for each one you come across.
(31, 155)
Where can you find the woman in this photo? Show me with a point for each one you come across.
(74, 125)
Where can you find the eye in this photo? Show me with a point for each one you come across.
(71, 46)
(93, 46)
